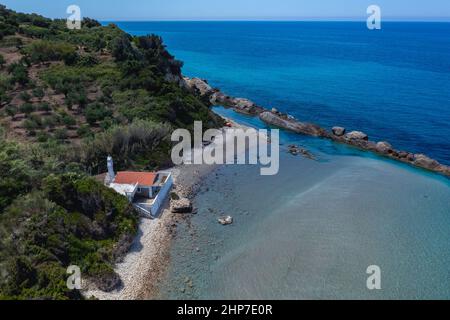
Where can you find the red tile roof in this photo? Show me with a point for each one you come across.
(141, 178)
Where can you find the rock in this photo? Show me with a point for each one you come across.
(292, 125)
(183, 205)
(357, 135)
(274, 110)
(423, 161)
(402, 154)
(244, 106)
(384, 147)
(295, 150)
(338, 131)
(225, 220)
(108, 282)
(199, 85)
(219, 97)
(410, 157)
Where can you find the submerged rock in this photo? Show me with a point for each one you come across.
(295, 150)
(225, 220)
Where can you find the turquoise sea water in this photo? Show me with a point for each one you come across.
(393, 83)
(312, 230)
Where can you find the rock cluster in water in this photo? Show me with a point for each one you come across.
(273, 117)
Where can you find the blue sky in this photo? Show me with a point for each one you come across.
(238, 9)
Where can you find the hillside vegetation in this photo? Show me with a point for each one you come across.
(68, 98)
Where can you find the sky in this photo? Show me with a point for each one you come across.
(420, 10)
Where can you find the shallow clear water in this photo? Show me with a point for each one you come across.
(312, 230)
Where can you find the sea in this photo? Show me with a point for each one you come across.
(314, 230)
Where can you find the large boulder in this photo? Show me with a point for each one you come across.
(423, 161)
(384, 147)
(182, 205)
(338, 131)
(357, 135)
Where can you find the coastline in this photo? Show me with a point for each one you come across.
(275, 118)
(145, 265)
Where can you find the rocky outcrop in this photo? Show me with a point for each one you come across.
(198, 85)
(273, 117)
(284, 122)
(182, 205)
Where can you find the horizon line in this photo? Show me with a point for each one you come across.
(441, 20)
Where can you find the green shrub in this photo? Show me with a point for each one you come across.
(11, 111)
(84, 131)
(30, 126)
(38, 92)
(43, 50)
(51, 121)
(88, 60)
(25, 96)
(142, 144)
(2, 61)
(61, 134)
(68, 120)
(19, 73)
(44, 106)
(26, 108)
(96, 112)
(42, 136)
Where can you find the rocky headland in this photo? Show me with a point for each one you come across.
(273, 117)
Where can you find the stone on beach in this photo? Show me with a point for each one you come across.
(183, 205)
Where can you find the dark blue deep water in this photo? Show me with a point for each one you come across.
(393, 83)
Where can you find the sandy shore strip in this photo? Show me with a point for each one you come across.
(144, 267)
